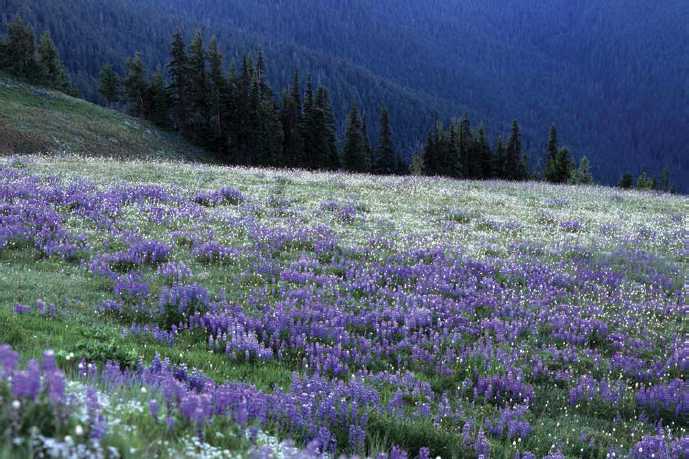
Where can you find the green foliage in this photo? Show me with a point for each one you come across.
(136, 87)
(582, 174)
(110, 83)
(19, 56)
(355, 144)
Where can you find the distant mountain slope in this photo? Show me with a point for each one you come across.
(611, 75)
(34, 120)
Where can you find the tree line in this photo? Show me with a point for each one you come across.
(234, 113)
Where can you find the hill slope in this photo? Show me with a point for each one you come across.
(35, 120)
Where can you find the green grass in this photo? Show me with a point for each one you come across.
(35, 120)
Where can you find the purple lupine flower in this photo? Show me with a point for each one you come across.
(27, 383)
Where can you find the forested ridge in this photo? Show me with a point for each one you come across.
(611, 77)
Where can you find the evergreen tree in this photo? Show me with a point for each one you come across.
(513, 171)
(582, 174)
(500, 164)
(19, 50)
(465, 146)
(485, 153)
(160, 100)
(386, 151)
(217, 91)
(551, 169)
(665, 180)
(292, 119)
(53, 73)
(136, 86)
(369, 153)
(642, 181)
(564, 165)
(430, 155)
(331, 157)
(453, 165)
(311, 128)
(354, 149)
(109, 87)
(626, 181)
(199, 112)
(417, 166)
(178, 68)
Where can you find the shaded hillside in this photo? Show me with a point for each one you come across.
(35, 120)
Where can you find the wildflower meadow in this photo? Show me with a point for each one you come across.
(175, 310)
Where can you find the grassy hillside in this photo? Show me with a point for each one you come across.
(353, 311)
(35, 120)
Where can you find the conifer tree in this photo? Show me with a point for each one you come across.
(551, 169)
(500, 165)
(582, 174)
(354, 149)
(20, 50)
(369, 153)
(386, 151)
(486, 155)
(513, 170)
(198, 88)
(53, 72)
(136, 86)
(160, 100)
(417, 166)
(178, 68)
(626, 181)
(564, 165)
(292, 119)
(452, 156)
(642, 181)
(311, 128)
(331, 157)
(217, 89)
(465, 144)
(109, 84)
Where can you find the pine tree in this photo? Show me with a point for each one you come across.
(513, 171)
(665, 180)
(354, 150)
(642, 181)
(109, 86)
(551, 169)
(465, 144)
(582, 175)
(20, 50)
(331, 157)
(217, 89)
(369, 153)
(53, 73)
(178, 68)
(160, 100)
(430, 157)
(292, 119)
(500, 165)
(136, 86)
(386, 151)
(485, 153)
(311, 128)
(453, 164)
(626, 181)
(565, 165)
(417, 166)
(198, 89)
